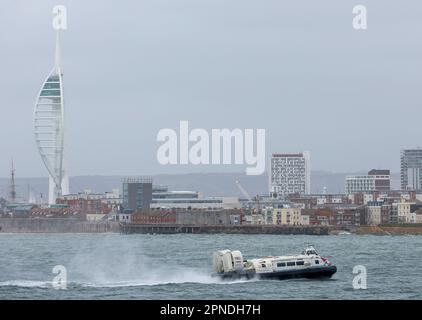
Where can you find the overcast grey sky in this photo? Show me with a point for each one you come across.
(295, 68)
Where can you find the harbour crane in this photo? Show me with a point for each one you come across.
(246, 194)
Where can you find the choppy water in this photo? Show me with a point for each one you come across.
(113, 266)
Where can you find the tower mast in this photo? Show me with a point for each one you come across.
(12, 193)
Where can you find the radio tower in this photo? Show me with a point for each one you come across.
(12, 194)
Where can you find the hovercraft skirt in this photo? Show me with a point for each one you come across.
(308, 273)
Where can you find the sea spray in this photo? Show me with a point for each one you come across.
(105, 264)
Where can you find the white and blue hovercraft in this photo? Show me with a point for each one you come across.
(230, 265)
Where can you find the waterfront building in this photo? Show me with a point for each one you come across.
(310, 201)
(184, 217)
(373, 213)
(375, 180)
(304, 220)
(20, 210)
(125, 217)
(49, 129)
(255, 218)
(386, 213)
(206, 217)
(290, 173)
(87, 194)
(416, 207)
(336, 214)
(348, 214)
(83, 205)
(154, 217)
(56, 211)
(137, 194)
(162, 192)
(287, 216)
(390, 209)
(267, 213)
(92, 203)
(205, 203)
(320, 216)
(162, 198)
(403, 212)
(411, 169)
(386, 197)
(418, 217)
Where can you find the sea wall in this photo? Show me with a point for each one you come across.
(228, 229)
(59, 225)
(391, 229)
(55, 225)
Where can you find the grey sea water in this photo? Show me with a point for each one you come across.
(114, 266)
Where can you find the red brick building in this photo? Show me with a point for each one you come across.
(55, 213)
(320, 217)
(154, 217)
(85, 206)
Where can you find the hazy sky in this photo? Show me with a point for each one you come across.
(295, 68)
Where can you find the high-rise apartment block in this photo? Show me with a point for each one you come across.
(290, 173)
(411, 169)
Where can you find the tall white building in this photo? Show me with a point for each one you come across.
(49, 129)
(290, 173)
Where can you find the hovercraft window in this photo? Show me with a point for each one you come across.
(281, 264)
(316, 261)
(300, 263)
(291, 264)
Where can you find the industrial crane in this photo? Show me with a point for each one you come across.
(246, 194)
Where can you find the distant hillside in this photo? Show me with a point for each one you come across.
(210, 184)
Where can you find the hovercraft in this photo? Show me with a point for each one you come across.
(230, 265)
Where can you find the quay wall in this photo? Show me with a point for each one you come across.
(55, 225)
(63, 225)
(228, 229)
(413, 229)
